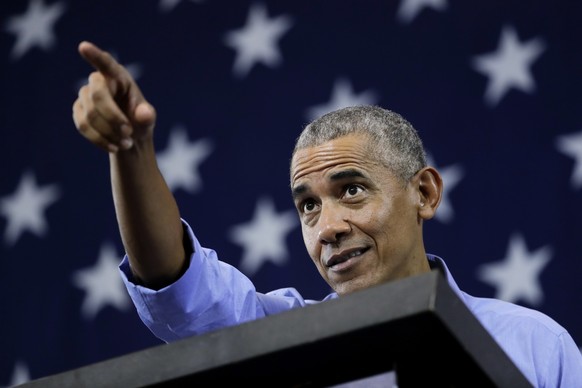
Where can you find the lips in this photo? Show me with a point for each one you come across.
(344, 256)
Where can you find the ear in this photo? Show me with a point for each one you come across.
(430, 191)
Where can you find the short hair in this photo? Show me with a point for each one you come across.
(393, 141)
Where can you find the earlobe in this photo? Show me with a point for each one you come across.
(430, 188)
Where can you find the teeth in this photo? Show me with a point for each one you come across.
(346, 257)
(354, 253)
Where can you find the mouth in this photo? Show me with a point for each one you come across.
(343, 260)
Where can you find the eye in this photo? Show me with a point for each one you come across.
(353, 190)
(308, 206)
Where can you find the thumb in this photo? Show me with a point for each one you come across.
(144, 114)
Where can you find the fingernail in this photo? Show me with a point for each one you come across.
(126, 143)
(112, 148)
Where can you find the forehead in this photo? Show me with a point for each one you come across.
(351, 151)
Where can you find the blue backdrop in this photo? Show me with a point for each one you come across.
(493, 87)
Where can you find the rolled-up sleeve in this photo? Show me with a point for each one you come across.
(210, 295)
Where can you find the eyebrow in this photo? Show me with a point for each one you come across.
(338, 176)
(351, 173)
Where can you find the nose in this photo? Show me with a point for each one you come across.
(333, 225)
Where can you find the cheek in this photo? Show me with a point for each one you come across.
(385, 223)
(374, 220)
(394, 225)
(310, 240)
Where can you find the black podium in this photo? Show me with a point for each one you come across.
(416, 329)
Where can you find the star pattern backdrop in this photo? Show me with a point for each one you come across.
(493, 87)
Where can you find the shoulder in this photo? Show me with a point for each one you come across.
(539, 346)
(499, 316)
(504, 318)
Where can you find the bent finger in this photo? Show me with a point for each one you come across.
(92, 135)
(99, 98)
(91, 124)
(100, 141)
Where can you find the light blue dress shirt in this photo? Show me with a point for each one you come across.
(212, 294)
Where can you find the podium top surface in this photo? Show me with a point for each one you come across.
(416, 327)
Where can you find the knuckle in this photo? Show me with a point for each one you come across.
(91, 115)
(83, 91)
(82, 126)
(95, 77)
(96, 95)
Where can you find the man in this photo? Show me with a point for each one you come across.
(362, 190)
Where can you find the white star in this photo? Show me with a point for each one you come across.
(571, 145)
(342, 96)
(102, 284)
(256, 41)
(20, 374)
(517, 276)
(24, 209)
(169, 5)
(180, 161)
(263, 238)
(35, 27)
(409, 9)
(509, 66)
(451, 175)
(135, 70)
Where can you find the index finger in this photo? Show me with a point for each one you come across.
(101, 60)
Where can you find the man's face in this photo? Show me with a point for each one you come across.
(360, 223)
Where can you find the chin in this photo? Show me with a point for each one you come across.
(350, 287)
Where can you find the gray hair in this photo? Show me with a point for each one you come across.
(393, 141)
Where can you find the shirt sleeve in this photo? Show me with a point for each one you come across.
(570, 357)
(539, 346)
(554, 360)
(210, 295)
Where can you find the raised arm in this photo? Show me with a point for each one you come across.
(112, 113)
